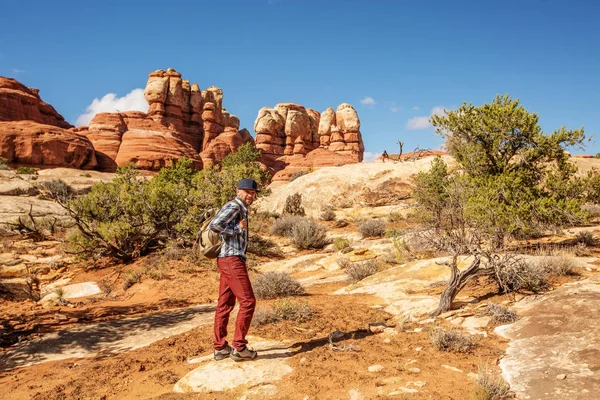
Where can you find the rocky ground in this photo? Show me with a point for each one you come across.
(87, 330)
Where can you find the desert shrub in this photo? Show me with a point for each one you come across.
(307, 234)
(557, 266)
(593, 209)
(340, 223)
(291, 309)
(297, 175)
(341, 243)
(263, 247)
(489, 385)
(57, 189)
(343, 262)
(328, 215)
(130, 216)
(395, 216)
(585, 237)
(131, 279)
(451, 340)
(276, 284)
(501, 315)
(262, 221)
(358, 271)
(283, 226)
(293, 205)
(372, 228)
(26, 171)
(522, 274)
(264, 316)
(3, 163)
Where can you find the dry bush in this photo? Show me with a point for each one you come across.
(585, 237)
(522, 274)
(292, 310)
(132, 278)
(341, 243)
(557, 266)
(343, 262)
(395, 216)
(451, 340)
(592, 208)
(307, 234)
(174, 252)
(328, 215)
(340, 223)
(501, 315)
(276, 284)
(490, 386)
(293, 205)
(262, 221)
(283, 226)
(264, 316)
(358, 271)
(263, 247)
(372, 228)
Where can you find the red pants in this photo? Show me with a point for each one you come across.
(234, 283)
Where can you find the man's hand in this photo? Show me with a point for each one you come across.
(244, 224)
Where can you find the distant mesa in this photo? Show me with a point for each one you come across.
(182, 121)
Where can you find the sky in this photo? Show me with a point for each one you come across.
(396, 62)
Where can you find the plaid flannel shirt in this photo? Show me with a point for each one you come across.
(226, 224)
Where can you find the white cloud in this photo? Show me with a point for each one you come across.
(17, 71)
(422, 122)
(416, 108)
(369, 156)
(369, 101)
(394, 108)
(133, 101)
(417, 123)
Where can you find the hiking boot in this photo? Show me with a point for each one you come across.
(223, 353)
(243, 355)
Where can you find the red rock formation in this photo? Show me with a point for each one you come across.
(291, 130)
(182, 121)
(40, 145)
(18, 103)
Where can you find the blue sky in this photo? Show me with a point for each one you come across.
(395, 61)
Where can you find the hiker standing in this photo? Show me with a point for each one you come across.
(231, 223)
(384, 156)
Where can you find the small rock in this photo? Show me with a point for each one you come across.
(360, 252)
(418, 348)
(426, 321)
(451, 368)
(561, 376)
(355, 394)
(302, 360)
(390, 331)
(61, 317)
(418, 330)
(414, 370)
(377, 327)
(375, 368)
(588, 269)
(419, 383)
(391, 381)
(387, 340)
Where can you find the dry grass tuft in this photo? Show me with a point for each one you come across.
(501, 315)
(276, 284)
(451, 340)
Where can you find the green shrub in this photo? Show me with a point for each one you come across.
(372, 228)
(293, 205)
(276, 284)
(395, 216)
(307, 234)
(341, 243)
(26, 171)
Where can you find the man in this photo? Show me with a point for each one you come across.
(231, 223)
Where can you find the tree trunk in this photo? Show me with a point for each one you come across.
(457, 281)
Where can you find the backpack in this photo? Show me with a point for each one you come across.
(209, 242)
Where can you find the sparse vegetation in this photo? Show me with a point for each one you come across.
(341, 243)
(453, 340)
(3, 163)
(585, 237)
(501, 315)
(291, 309)
(283, 226)
(490, 386)
(557, 266)
(358, 271)
(263, 247)
(372, 228)
(57, 189)
(26, 171)
(272, 284)
(307, 234)
(395, 216)
(264, 316)
(328, 215)
(293, 205)
(131, 279)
